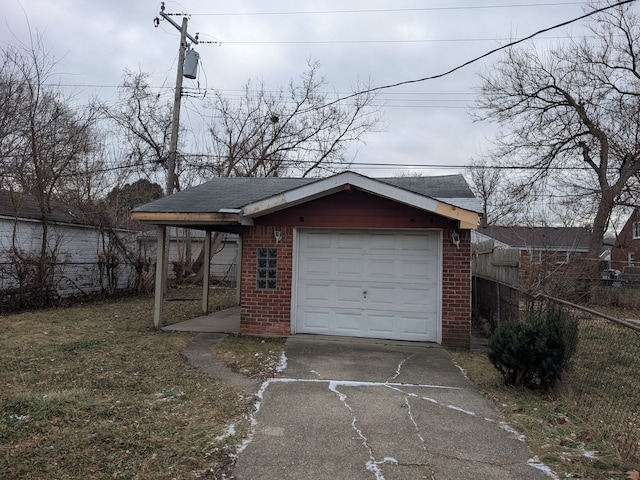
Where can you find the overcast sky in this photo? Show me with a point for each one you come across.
(426, 124)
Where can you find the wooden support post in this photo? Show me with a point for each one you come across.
(207, 270)
(161, 267)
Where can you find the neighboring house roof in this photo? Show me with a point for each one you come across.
(25, 206)
(233, 199)
(544, 238)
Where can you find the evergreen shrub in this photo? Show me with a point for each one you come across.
(535, 351)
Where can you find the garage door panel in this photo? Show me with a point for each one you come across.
(317, 240)
(381, 324)
(347, 296)
(348, 241)
(381, 298)
(317, 267)
(414, 300)
(347, 323)
(317, 321)
(399, 271)
(320, 293)
(382, 268)
(419, 243)
(382, 241)
(416, 271)
(416, 326)
(346, 266)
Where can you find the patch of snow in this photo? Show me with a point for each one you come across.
(458, 409)
(373, 466)
(432, 400)
(537, 464)
(462, 370)
(588, 453)
(282, 364)
(20, 418)
(252, 419)
(510, 429)
(228, 432)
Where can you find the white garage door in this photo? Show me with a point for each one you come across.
(363, 283)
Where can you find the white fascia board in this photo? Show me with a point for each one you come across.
(334, 184)
(241, 218)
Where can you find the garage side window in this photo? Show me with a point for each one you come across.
(267, 268)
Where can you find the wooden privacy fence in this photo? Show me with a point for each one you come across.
(499, 264)
(495, 274)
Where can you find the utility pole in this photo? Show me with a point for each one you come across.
(163, 246)
(175, 120)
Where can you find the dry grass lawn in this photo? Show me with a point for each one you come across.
(92, 391)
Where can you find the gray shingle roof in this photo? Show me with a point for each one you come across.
(22, 205)
(551, 238)
(236, 192)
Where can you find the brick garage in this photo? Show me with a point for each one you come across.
(346, 255)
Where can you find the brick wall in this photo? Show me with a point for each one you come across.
(549, 275)
(456, 289)
(266, 312)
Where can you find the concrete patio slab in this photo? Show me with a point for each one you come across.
(222, 321)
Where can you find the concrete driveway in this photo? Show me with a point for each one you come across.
(367, 409)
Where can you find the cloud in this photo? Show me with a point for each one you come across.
(427, 123)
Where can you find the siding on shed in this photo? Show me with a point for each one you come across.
(78, 248)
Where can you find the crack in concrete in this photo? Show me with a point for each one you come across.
(402, 362)
(422, 441)
(372, 465)
(535, 463)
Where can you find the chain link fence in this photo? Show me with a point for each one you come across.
(66, 281)
(603, 378)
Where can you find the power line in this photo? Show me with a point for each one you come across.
(385, 10)
(476, 59)
(366, 42)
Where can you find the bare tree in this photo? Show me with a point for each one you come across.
(492, 188)
(297, 130)
(47, 140)
(12, 97)
(142, 119)
(570, 116)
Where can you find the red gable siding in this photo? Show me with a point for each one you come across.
(354, 209)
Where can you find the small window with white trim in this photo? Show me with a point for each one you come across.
(636, 230)
(562, 256)
(267, 268)
(631, 259)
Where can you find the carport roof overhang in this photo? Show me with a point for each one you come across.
(215, 221)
